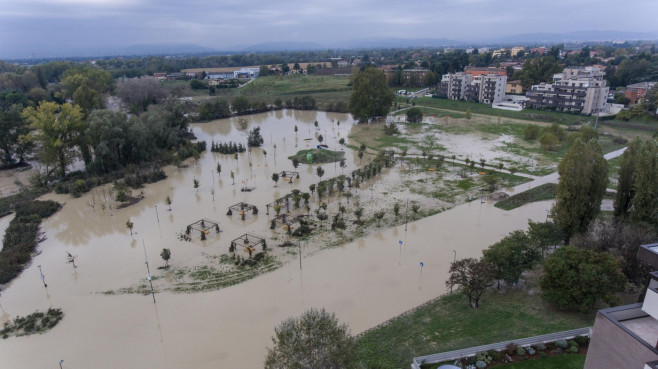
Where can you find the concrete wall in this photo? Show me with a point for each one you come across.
(613, 347)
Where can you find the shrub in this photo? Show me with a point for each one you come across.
(520, 351)
(510, 349)
(543, 355)
(540, 346)
(561, 343)
(619, 140)
(495, 355)
(531, 132)
(573, 349)
(582, 341)
(481, 364)
(530, 350)
(572, 343)
(557, 351)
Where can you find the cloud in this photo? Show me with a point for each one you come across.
(94, 23)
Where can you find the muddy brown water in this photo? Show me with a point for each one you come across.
(364, 282)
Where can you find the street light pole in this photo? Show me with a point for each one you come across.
(299, 240)
(156, 213)
(406, 215)
(43, 277)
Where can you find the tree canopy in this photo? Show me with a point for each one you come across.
(539, 70)
(314, 340)
(473, 276)
(575, 278)
(583, 178)
(57, 128)
(370, 96)
(414, 115)
(511, 256)
(637, 189)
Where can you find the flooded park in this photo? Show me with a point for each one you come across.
(111, 319)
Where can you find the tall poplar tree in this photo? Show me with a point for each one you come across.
(583, 180)
(371, 96)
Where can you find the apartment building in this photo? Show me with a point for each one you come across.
(481, 85)
(626, 337)
(576, 90)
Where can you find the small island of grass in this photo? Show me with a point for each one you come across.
(320, 156)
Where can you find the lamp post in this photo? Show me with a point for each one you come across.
(454, 259)
(43, 277)
(299, 240)
(156, 214)
(406, 215)
(148, 271)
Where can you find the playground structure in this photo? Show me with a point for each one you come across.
(203, 226)
(242, 208)
(248, 242)
(289, 222)
(288, 175)
(284, 202)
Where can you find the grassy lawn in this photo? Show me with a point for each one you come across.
(319, 156)
(546, 191)
(325, 89)
(476, 108)
(613, 167)
(447, 323)
(372, 135)
(553, 362)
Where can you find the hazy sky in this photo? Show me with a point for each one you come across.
(40, 26)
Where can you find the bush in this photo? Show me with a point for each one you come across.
(530, 350)
(543, 355)
(582, 341)
(531, 132)
(573, 349)
(481, 364)
(540, 346)
(520, 351)
(620, 140)
(557, 351)
(572, 343)
(495, 355)
(561, 343)
(511, 348)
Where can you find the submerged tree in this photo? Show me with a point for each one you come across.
(166, 255)
(371, 97)
(315, 340)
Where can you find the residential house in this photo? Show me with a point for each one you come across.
(343, 63)
(626, 337)
(160, 76)
(636, 91)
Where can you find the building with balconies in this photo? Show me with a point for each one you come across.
(626, 337)
(575, 90)
(477, 87)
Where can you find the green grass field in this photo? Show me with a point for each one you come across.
(325, 89)
(448, 323)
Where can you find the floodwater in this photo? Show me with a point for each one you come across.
(364, 282)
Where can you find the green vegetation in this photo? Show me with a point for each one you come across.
(553, 362)
(370, 96)
(319, 156)
(546, 191)
(446, 324)
(326, 90)
(21, 237)
(36, 322)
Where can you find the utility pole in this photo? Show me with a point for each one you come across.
(406, 215)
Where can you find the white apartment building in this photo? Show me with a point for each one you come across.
(577, 90)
